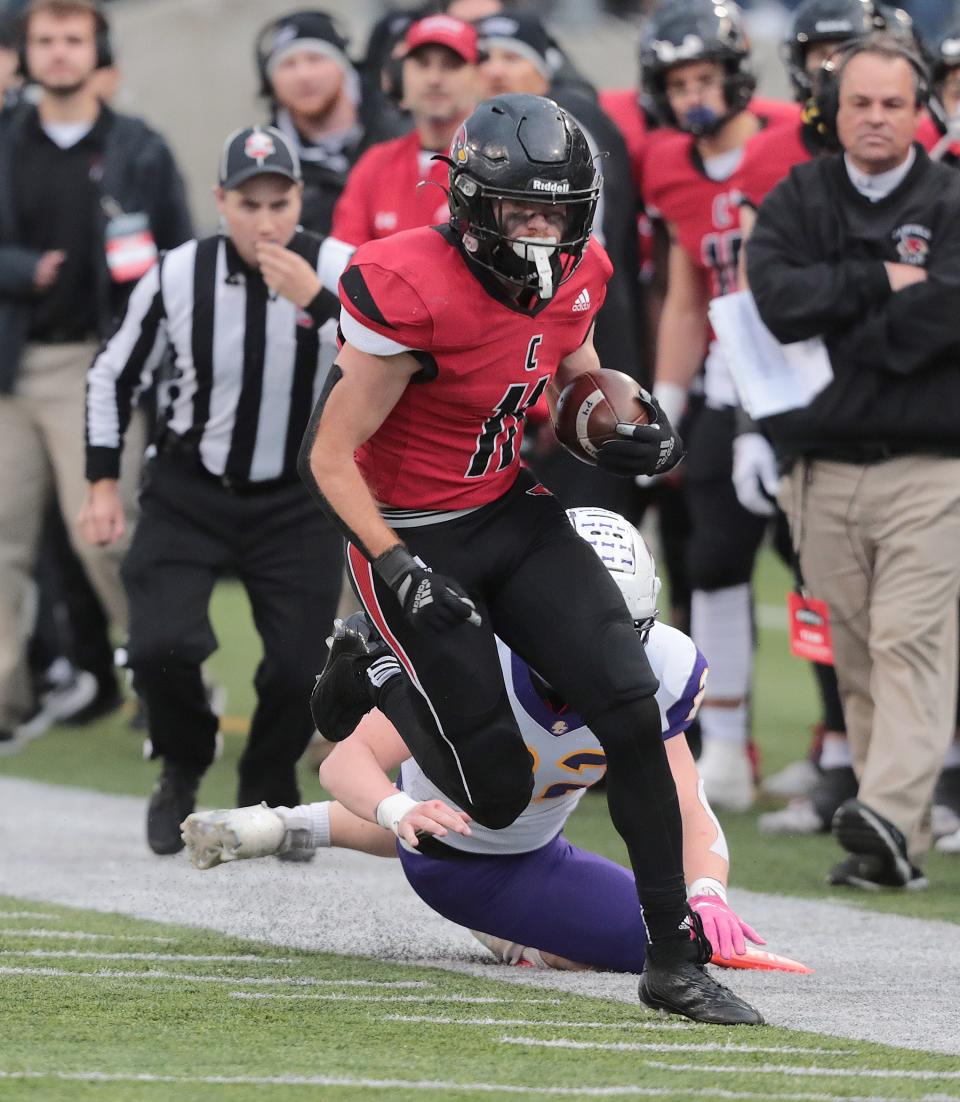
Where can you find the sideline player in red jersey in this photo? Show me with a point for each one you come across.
(440, 88)
(694, 61)
(451, 334)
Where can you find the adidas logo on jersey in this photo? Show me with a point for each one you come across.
(582, 301)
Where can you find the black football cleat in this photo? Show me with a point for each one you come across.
(871, 874)
(358, 665)
(171, 801)
(865, 833)
(674, 981)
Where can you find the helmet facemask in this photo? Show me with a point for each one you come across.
(526, 264)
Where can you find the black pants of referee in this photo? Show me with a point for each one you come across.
(544, 591)
(282, 548)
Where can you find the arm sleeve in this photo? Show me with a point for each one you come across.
(17, 266)
(123, 367)
(799, 298)
(351, 215)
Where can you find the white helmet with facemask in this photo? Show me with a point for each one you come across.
(623, 551)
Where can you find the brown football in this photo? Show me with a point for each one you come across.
(590, 408)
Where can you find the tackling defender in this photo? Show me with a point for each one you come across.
(527, 893)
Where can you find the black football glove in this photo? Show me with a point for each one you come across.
(429, 600)
(645, 449)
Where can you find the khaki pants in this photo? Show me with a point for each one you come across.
(880, 543)
(42, 448)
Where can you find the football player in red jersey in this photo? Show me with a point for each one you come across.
(451, 333)
(694, 63)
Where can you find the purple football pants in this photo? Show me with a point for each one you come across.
(558, 898)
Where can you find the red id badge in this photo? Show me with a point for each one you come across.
(131, 249)
(810, 629)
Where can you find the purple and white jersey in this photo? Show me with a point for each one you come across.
(567, 758)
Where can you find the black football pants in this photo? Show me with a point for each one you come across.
(544, 591)
(285, 552)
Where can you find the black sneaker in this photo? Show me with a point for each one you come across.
(833, 788)
(171, 801)
(861, 831)
(871, 874)
(357, 667)
(675, 981)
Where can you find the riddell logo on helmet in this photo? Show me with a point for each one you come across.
(550, 185)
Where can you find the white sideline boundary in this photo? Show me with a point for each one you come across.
(447, 1086)
(877, 977)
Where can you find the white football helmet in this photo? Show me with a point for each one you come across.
(624, 553)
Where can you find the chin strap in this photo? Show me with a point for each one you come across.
(539, 250)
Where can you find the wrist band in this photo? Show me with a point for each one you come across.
(707, 885)
(394, 564)
(392, 809)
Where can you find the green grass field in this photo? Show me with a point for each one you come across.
(209, 1018)
(288, 1024)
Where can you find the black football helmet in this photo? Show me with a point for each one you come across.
(946, 56)
(696, 30)
(522, 147)
(840, 21)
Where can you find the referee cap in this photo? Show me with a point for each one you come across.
(257, 151)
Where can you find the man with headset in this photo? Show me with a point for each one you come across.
(87, 198)
(862, 248)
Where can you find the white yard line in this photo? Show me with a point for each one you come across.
(637, 1046)
(472, 1000)
(431, 1020)
(448, 1086)
(81, 935)
(250, 980)
(30, 914)
(919, 1074)
(290, 981)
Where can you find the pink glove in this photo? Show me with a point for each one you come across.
(724, 930)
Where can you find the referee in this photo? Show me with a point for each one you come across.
(241, 314)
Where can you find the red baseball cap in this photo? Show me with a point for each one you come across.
(444, 30)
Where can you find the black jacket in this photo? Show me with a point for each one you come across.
(815, 263)
(139, 173)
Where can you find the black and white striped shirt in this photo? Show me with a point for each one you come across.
(248, 364)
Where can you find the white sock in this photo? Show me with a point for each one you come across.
(724, 724)
(721, 626)
(835, 753)
(318, 815)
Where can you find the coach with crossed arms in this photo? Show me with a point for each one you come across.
(863, 248)
(242, 312)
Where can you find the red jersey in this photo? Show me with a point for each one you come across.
(767, 159)
(453, 439)
(623, 108)
(383, 196)
(704, 212)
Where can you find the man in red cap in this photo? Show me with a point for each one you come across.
(440, 89)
